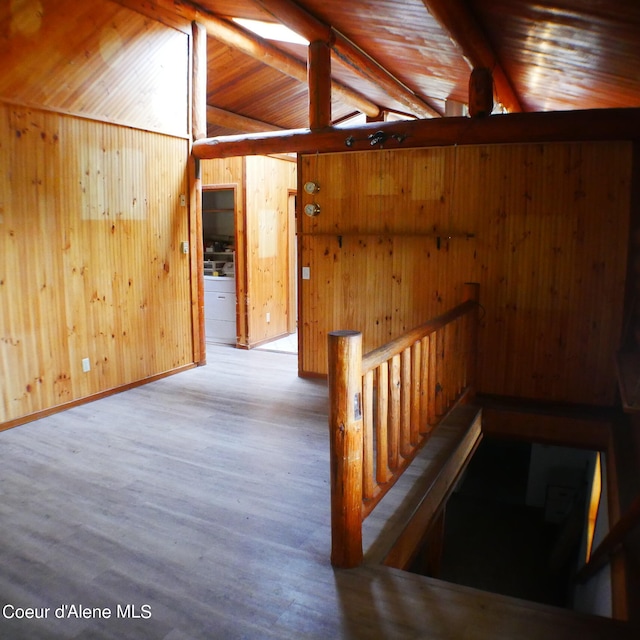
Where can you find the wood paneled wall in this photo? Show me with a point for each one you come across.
(268, 183)
(90, 261)
(549, 249)
(96, 59)
(94, 150)
(263, 234)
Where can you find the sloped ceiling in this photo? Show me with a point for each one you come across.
(564, 55)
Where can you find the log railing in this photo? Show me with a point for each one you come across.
(383, 407)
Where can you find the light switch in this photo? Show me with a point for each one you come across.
(306, 273)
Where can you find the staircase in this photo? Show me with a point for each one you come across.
(481, 614)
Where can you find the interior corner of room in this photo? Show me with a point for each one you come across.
(453, 186)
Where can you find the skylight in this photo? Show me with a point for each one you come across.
(271, 31)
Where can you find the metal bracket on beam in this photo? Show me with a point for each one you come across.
(377, 138)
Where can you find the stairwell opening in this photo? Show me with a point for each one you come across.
(517, 522)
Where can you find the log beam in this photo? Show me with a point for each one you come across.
(199, 94)
(593, 124)
(480, 92)
(319, 80)
(261, 50)
(463, 29)
(198, 132)
(231, 120)
(299, 20)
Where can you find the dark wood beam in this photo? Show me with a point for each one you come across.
(265, 52)
(301, 21)
(594, 124)
(319, 80)
(231, 120)
(480, 92)
(463, 29)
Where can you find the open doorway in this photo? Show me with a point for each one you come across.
(219, 264)
(289, 343)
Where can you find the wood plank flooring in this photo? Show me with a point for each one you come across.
(202, 500)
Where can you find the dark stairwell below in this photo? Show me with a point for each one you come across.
(495, 542)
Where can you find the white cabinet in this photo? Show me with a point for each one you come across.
(218, 237)
(220, 309)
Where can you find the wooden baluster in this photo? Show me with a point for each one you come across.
(446, 367)
(471, 291)
(394, 413)
(431, 381)
(441, 406)
(382, 417)
(367, 461)
(416, 393)
(405, 402)
(451, 364)
(466, 332)
(458, 360)
(345, 430)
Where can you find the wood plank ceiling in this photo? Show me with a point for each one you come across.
(562, 55)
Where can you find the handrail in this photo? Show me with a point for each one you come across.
(376, 357)
(383, 407)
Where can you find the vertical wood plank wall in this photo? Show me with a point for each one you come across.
(93, 163)
(90, 260)
(262, 247)
(95, 59)
(268, 182)
(550, 225)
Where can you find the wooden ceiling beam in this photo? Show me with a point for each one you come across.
(298, 19)
(231, 120)
(258, 48)
(319, 81)
(463, 29)
(302, 22)
(552, 126)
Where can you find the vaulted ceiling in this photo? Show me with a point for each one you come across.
(415, 56)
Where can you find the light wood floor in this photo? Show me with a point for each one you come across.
(205, 496)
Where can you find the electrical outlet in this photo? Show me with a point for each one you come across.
(185, 247)
(183, 200)
(86, 364)
(306, 273)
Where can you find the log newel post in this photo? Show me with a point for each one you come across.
(346, 434)
(471, 291)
